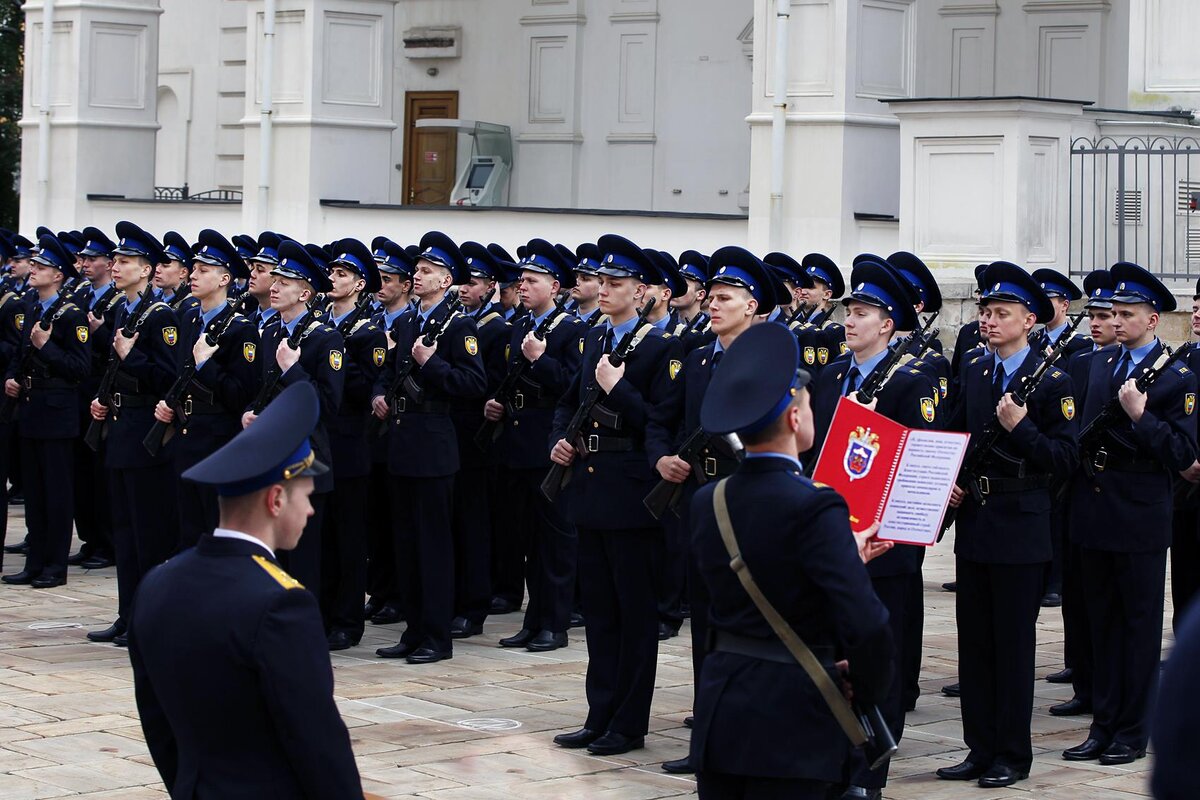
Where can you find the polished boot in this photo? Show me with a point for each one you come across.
(614, 744)
(388, 615)
(952, 690)
(22, 578)
(966, 771)
(1118, 753)
(1087, 751)
(1072, 708)
(427, 655)
(1062, 676)
(462, 628)
(340, 640)
(680, 766)
(48, 581)
(519, 639)
(580, 738)
(108, 634)
(1000, 776)
(400, 650)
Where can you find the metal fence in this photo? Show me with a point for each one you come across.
(1136, 200)
(183, 193)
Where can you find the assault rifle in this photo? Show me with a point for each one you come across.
(274, 374)
(95, 431)
(981, 449)
(403, 380)
(558, 476)
(922, 337)
(29, 355)
(507, 390)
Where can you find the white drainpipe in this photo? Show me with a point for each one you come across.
(44, 103)
(264, 130)
(783, 12)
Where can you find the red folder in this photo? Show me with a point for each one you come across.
(861, 457)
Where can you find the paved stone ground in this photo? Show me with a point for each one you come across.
(474, 728)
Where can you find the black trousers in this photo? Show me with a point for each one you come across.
(510, 523)
(550, 553)
(49, 504)
(1185, 561)
(93, 508)
(1077, 631)
(304, 561)
(670, 570)
(381, 554)
(471, 523)
(997, 606)
(6, 434)
(424, 558)
(344, 556)
(199, 512)
(893, 592)
(145, 526)
(616, 575)
(913, 640)
(1058, 543)
(1125, 607)
(718, 786)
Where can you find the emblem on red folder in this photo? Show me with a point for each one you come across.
(861, 448)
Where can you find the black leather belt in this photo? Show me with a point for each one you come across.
(406, 406)
(717, 467)
(123, 400)
(610, 444)
(989, 484)
(522, 400)
(47, 383)
(196, 407)
(1104, 461)
(766, 649)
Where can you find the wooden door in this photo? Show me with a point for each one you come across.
(430, 157)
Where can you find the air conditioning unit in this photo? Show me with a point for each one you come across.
(433, 42)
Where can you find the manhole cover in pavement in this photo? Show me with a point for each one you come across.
(488, 724)
(53, 626)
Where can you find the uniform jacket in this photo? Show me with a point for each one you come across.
(241, 707)
(968, 339)
(146, 374)
(424, 444)
(1124, 511)
(1014, 527)
(607, 489)
(764, 718)
(366, 352)
(49, 409)
(908, 397)
(522, 443)
(493, 332)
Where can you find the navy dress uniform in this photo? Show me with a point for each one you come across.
(731, 266)
(322, 364)
(762, 728)
(344, 538)
(1175, 776)
(694, 266)
(11, 305)
(626, 436)
(831, 336)
(1120, 516)
(142, 487)
(968, 337)
(48, 423)
(908, 397)
(546, 542)
(475, 484)
(1057, 285)
(1185, 527)
(1003, 544)
(219, 390)
(242, 706)
(423, 459)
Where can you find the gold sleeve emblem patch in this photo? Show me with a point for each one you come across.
(810, 355)
(472, 345)
(20, 321)
(1189, 403)
(81, 333)
(823, 355)
(1068, 407)
(842, 349)
(674, 367)
(335, 359)
(170, 336)
(928, 409)
(379, 355)
(249, 350)
(943, 385)
(581, 344)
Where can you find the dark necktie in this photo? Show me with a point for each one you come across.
(608, 340)
(998, 383)
(852, 381)
(1122, 370)
(717, 358)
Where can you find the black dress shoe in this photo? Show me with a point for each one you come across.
(388, 615)
(80, 557)
(399, 650)
(665, 631)
(952, 690)
(1062, 676)
(461, 628)
(372, 607)
(689, 721)
(45, 582)
(20, 548)
(861, 793)
(340, 640)
(108, 634)
(99, 561)
(121, 640)
(1118, 753)
(576, 619)
(1087, 751)
(427, 655)
(519, 639)
(1000, 776)
(950, 586)
(22, 578)
(580, 738)
(680, 766)
(502, 606)
(1051, 600)
(1072, 708)
(546, 641)
(966, 771)
(614, 744)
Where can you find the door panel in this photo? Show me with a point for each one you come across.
(430, 157)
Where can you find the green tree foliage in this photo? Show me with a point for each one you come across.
(12, 66)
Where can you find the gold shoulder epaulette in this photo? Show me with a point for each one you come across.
(281, 577)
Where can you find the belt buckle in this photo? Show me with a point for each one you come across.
(984, 485)
(116, 399)
(519, 400)
(593, 443)
(27, 382)
(187, 407)
(1101, 460)
(401, 405)
(710, 467)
